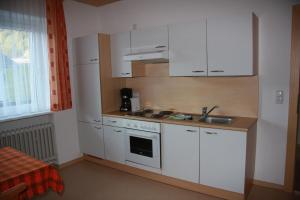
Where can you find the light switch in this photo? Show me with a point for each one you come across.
(279, 96)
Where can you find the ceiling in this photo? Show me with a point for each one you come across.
(97, 2)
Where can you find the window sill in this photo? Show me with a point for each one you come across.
(30, 115)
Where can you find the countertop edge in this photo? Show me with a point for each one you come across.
(250, 122)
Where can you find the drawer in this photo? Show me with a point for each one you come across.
(113, 121)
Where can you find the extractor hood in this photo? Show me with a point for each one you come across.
(158, 55)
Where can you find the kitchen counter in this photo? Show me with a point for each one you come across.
(238, 124)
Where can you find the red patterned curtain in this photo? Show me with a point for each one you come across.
(58, 56)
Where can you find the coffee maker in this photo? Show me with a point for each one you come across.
(126, 94)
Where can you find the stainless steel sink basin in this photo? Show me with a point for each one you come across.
(217, 120)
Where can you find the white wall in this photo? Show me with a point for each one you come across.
(80, 20)
(274, 55)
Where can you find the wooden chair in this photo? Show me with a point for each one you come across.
(13, 193)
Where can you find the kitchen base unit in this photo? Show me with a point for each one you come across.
(180, 152)
(114, 144)
(168, 180)
(223, 159)
(207, 158)
(91, 139)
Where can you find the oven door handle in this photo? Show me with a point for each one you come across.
(142, 136)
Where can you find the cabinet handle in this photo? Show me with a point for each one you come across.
(117, 131)
(97, 120)
(211, 133)
(217, 71)
(125, 73)
(95, 59)
(96, 127)
(197, 71)
(113, 121)
(160, 46)
(191, 131)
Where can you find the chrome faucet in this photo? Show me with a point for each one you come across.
(205, 113)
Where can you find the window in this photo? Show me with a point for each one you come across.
(14, 65)
(24, 72)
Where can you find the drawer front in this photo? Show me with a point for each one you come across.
(113, 121)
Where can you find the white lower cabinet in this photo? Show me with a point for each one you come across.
(91, 139)
(114, 140)
(223, 159)
(211, 157)
(180, 152)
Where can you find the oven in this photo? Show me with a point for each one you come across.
(143, 147)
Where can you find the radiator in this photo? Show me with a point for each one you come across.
(36, 140)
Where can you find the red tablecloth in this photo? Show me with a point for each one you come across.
(16, 167)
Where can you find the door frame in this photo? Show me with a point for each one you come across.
(293, 102)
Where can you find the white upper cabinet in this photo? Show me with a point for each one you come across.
(120, 46)
(89, 95)
(187, 49)
(215, 46)
(230, 45)
(223, 159)
(180, 152)
(86, 50)
(150, 38)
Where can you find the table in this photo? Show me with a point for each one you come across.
(17, 167)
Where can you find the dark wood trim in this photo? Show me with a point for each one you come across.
(293, 104)
(70, 163)
(268, 185)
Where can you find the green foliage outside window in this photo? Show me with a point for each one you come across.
(14, 49)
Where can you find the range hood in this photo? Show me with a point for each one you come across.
(148, 55)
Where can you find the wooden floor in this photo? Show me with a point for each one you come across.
(89, 181)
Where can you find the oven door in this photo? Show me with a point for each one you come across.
(143, 148)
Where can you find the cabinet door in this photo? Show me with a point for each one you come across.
(89, 101)
(120, 46)
(187, 49)
(91, 139)
(114, 142)
(86, 49)
(222, 159)
(180, 152)
(149, 38)
(229, 45)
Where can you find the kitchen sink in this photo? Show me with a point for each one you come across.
(217, 120)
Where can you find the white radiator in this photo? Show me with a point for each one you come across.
(36, 140)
